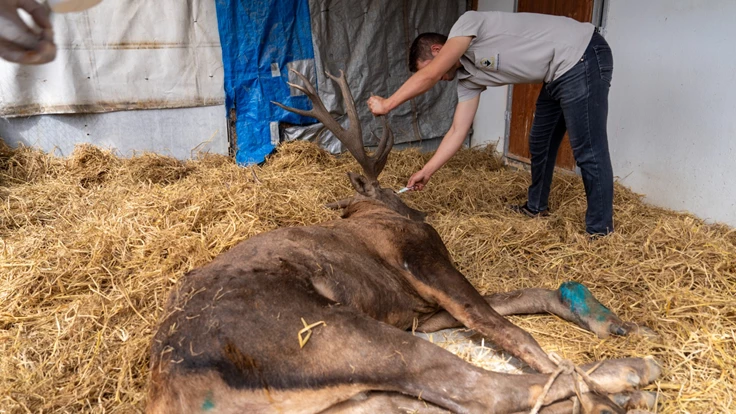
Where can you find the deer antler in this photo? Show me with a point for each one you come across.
(352, 137)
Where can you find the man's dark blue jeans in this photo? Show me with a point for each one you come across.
(576, 102)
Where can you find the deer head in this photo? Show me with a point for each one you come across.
(365, 185)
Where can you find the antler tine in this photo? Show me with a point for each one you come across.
(318, 110)
(353, 139)
(308, 86)
(384, 147)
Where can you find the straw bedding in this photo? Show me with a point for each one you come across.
(91, 245)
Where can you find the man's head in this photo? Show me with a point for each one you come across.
(425, 47)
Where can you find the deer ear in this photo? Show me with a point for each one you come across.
(362, 185)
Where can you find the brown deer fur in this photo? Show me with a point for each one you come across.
(228, 341)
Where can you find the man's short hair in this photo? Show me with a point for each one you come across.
(421, 49)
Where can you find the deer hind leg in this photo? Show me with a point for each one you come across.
(572, 302)
(396, 403)
(504, 393)
(382, 358)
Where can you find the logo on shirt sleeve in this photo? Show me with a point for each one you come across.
(489, 63)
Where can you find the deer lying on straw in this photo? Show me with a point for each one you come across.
(314, 319)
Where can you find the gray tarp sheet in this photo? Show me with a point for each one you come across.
(369, 40)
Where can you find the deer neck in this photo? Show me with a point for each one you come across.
(364, 206)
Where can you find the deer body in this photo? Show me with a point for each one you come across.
(230, 338)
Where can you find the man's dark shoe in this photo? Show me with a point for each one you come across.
(525, 210)
(597, 236)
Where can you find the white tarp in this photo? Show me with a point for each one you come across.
(121, 55)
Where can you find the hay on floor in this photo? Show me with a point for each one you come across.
(91, 245)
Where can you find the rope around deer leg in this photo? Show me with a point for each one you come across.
(565, 367)
(568, 368)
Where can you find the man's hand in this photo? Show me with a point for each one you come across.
(418, 180)
(378, 105)
(18, 42)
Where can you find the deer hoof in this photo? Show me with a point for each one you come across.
(637, 400)
(626, 328)
(625, 375)
(598, 404)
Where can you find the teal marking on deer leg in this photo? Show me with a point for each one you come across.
(603, 312)
(208, 404)
(574, 295)
(581, 302)
(588, 312)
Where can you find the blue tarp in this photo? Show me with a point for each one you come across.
(259, 39)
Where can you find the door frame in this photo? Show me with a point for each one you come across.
(600, 19)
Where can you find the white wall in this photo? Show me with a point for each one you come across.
(672, 120)
(489, 126)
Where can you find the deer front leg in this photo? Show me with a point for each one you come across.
(572, 302)
(437, 281)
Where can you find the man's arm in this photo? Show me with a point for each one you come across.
(425, 78)
(451, 143)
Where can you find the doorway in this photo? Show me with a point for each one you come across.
(524, 97)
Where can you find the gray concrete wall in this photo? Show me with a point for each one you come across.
(174, 132)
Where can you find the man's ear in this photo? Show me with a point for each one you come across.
(435, 49)
(362, 185)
